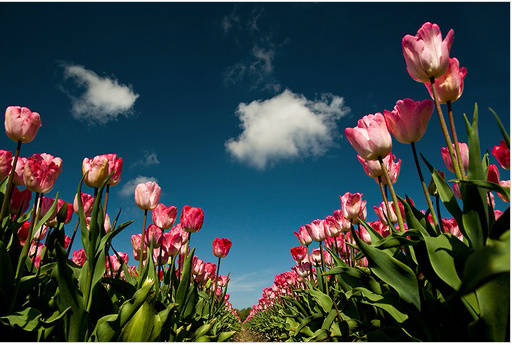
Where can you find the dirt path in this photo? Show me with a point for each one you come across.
(248, 336)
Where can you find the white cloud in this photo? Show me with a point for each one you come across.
(285, 126)
(103, 99)
(230, 20)
(129, 187)
(149, 159)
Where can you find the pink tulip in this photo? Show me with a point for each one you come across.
(342, 221)
(502, 154)
(370, 138)
(331, 227)
(164, 217)
(20, 201)
(373, 169)
(362, 213)
(497, 214)
(197, 266)
(106, 224)
(393, 168)
(464, 152)
(21, 124)
(351, 205)
(365, 235)
(504, 184)
(222, 281)
(79, 257)
(303, 236)
(160, 256)
(493, 174)
(147, 195)
(23, 232)
(17, 178)
(46, 204)
(456, 191)
(490, 200)
(53, 221)
(401, 207)
(382, 213)
(87, 201)
(192, 219)
(381, 228)
(172, 242)
(115, 165)
(153, 236)
(299, 253)
(221, 247)
(451, 226)
(316, 230)
(96, 169)
(35, 253)
(40, 234)
(136, 244)
(409, 119)
(427, 54)
(449, 86)
(5, 163)
(67, 241)
(209, 270)
(178, 229)
(41, 172)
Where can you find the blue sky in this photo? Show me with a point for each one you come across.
(166, 85)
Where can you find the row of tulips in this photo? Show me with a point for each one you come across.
(49, 294)
(411, 275)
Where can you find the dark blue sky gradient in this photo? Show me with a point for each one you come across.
(175, 56)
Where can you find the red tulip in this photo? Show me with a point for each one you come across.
(409, 119)
(5, 163)
(79, 257)
(493, 174)
(299, 253)
(23, 232)
(41, 172)
(192, 219)
(20, 201)
(221, 247)
(370, 138)
(21, 124)
(164, 217)
(449, 86)
(502, 154)
(427, 54)
(147, 195)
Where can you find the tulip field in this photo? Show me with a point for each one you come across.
(439, 274)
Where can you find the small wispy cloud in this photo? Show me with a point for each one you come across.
(128, 188)
(230, 20)
(149, 159)
(285, 126)
(102, 100)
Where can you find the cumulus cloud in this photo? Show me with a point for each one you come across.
(103, 99)
(285, 126)
(128, 189)
(149, 159)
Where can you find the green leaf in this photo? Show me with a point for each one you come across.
(501, 225)
(488, 185)
(502, 128)
(391, 271)
(442, 255)
(225, 336)
(26, 319)
(385, 303)
(56, 316)
(322, 299)
(181, 293)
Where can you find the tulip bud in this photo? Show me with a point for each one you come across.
(21, 124)
(409, 119)
(19, 171)
(370, 138)
(147, 195)
(221, 247)
(192, 219)
(5, 163)
(23, 232)
(464, 152)
(96, 170)
(502, 154)
(41, 172)
(164, 217)
(493, 174)
(137, 243)
(427, 54)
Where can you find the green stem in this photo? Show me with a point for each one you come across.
(7, 196)
(214, 294)
(445, 131)
(395, 200)
(142, 241)
(323, 268)
(73, 237)
(106, 201)
(454, 133)
(28, 242)
(385, 198)
(424, 186)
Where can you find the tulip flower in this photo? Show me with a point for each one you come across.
(20, 201)
(192, 219)
(303, 236)
(36, 254)
(87, 202)
(23, 232)
(331, 227)
(464, 151)
(62, 208)
(96, 170)
(351, 205)
(40, 233)
(299, 253)
(45, 205)
(383, 215)
(79, 257)
(160, 256)
(164, 217)
(493, 174)
(153, 236)
(316, 230)
(365, 235)
(221, 247)
(456, 191)
(21, 124)
(172, 243)
(502, 154)
(41, 172)
(392, 168)
(138, 247)
(450, 85)
(450, 226)
(147, 195)
(381, 228)
(342, 221)
(19, 171)
(409, 119)
(115, 166)
(197, 266)
(427, 54)
(504, 184)
(497, 214)
(5, 163)
(370, 138)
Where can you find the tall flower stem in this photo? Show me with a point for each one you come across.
(106, 201)
(73, 236)
(454, 133)
(445, 131)
(438, 209)
(424, 186)
(28, 241)
(388, 210)
(310, 267)
(214, 293)
(336, 246)
(7, 196)
(323, 268)
(159, 257)
(142, 241)
(395, 200)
